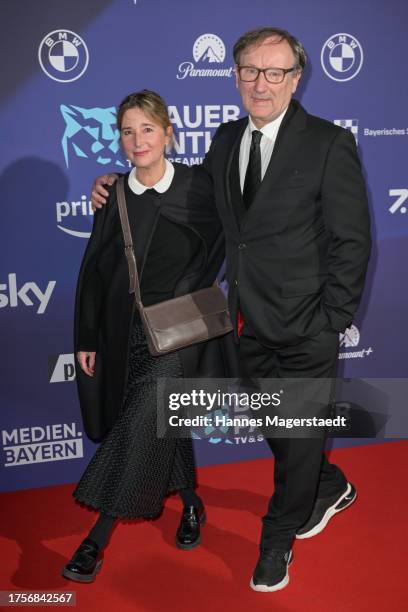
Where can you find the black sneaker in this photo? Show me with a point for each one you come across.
(271, 572)
(323, 511)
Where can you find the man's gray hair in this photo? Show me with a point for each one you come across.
(258, 36)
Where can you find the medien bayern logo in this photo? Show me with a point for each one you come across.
(40, 444)
(350, 340)
(208, 51)
(63, 56)
(342, 57)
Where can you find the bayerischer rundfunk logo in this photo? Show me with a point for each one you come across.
(63, 56)
(342, 57)
(348, 124)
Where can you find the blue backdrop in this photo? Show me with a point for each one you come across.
(66, 66)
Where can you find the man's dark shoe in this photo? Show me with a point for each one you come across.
(188, 532)
(85, 563)
(324, 509)
(271, 572)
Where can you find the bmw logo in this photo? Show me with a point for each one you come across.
(63, 56)
(342, 57)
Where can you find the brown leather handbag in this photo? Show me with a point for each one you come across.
(182, 321)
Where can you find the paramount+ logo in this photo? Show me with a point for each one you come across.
(349, 345)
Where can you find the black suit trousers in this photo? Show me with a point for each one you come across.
(302, 471)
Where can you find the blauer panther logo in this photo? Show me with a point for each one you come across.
(342, 57)
(91, 133)
(63, 56)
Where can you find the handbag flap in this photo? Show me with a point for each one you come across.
(186, 308)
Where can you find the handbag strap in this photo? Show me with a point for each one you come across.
(134, 285)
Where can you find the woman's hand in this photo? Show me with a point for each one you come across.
(86, 360)
(99, 193)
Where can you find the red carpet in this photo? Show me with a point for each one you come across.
(358, 563)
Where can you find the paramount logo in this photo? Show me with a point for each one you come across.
(210, 56)
(208, 50)
(187, 69)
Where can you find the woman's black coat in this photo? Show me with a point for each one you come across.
(104, 314)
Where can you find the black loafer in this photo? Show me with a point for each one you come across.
(188, 532)
(85, 563)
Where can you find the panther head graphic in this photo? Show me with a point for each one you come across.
(91, 133)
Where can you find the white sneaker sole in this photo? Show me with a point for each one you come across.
(330, 512)
(263, 588)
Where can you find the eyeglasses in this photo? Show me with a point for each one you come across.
(248, 74)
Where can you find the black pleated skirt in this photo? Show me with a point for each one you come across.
(133, 470)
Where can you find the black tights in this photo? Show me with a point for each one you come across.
(103, 527)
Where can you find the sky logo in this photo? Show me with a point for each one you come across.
(14, 295)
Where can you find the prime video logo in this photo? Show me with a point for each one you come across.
(25, 294)
(68, 210)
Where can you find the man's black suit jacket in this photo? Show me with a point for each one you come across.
(297, 259)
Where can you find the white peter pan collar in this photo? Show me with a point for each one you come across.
(161, 186)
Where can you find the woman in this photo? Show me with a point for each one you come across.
(179, 249)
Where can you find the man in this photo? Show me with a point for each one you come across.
(292, 201)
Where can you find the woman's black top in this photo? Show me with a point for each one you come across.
(169, 253)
